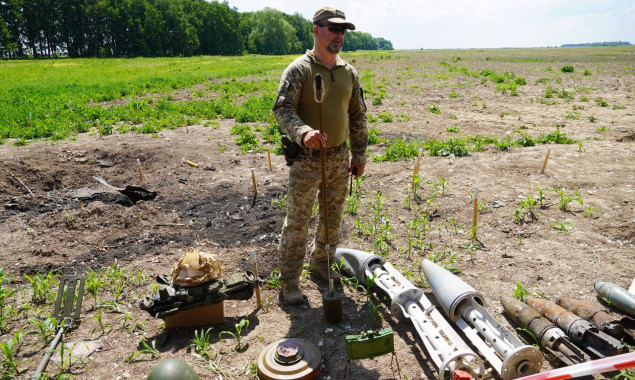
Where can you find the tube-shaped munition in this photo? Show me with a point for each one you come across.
(463, 305)
(446, 349)
(620, 298)
(600, 318)
(581, 331)
(549, 335)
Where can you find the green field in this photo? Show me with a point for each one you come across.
(59, 98)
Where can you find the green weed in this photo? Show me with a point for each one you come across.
(373, 136)
(601, 102)
(386, 117)
(434, 109)
(453, 130)
(247, 139)
(520, 293)
(561, 226)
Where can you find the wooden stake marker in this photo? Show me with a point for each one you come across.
(269, 159)
(99, 127)
(474, 211)
(544, 165)
(415, 170)
(254, 260)
(253, 179)
(140, 170)
(187, 129)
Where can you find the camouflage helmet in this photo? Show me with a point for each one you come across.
(172, 369)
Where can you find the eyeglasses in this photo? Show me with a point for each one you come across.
(335, 28)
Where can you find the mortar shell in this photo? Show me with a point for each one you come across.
(620, 298)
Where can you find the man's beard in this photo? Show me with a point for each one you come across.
(333, 48)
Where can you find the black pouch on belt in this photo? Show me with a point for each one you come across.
(290, 149)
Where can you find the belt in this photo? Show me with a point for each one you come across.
(316, 152)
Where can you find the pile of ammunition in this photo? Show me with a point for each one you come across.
(572, 330)
(577, 334)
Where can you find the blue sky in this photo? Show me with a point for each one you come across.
(446, 24)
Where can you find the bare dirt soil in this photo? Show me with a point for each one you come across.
(213, 207)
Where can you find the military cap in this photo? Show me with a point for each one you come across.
(332, 15)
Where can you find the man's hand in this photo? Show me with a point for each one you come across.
(356, 169)
(314, 139)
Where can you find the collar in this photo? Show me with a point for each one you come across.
(338, 61)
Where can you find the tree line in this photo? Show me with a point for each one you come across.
(154, 28)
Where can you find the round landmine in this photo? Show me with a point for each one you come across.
(289, 359)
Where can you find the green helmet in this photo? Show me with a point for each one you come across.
(172, 369)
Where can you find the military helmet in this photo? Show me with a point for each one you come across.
(172, 369)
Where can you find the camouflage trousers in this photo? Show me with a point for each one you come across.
(305, 177)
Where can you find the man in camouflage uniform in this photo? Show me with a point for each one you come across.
(344, 116)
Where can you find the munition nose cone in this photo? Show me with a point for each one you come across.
(599, 285)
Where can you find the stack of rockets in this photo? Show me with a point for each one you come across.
(582, 337)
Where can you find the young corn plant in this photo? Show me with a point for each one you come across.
(525, 210)
(592, 212)
(93, 284)
(274, 280)
(42, 287)
(141, 278)
(375, 313)
(561, 226)
(9, 351)
(237, 334)
(148, 349)
(280, 203)
(66, 359)
(370, 282)
(6, 311)
(383, 236)
(101, 325)
(565, 199)
(201, 344)
(44, 329)
(352, 200)
(541, 196)
(115, 274)
(442, 185)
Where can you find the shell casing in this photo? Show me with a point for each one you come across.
(581, 332)
(600, 318)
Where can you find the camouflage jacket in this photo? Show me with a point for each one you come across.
(344, 111)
